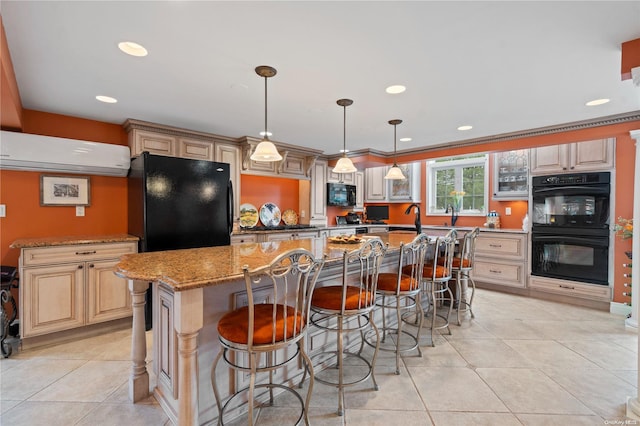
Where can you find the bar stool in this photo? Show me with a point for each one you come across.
(462, 266)
(346, 308)
(253, 334)
(436, 274)
(402, 288)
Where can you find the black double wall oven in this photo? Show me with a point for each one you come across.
(570, 227)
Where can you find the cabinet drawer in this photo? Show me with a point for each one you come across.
(76, 253)
(502, 246)
(244, 238)
(571, 288)
(510, 274)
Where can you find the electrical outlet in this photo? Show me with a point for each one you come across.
(79, 210)
(3, 210)
(507, 211)
(302, 214)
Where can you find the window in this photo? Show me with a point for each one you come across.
(459, 181)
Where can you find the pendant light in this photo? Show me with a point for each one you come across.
(266, 150)
(394, 172)
(344, 164)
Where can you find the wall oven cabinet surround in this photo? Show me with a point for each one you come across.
(511, 175)
(69, 286)
(593, 155)
(570, 232)
(501, 259)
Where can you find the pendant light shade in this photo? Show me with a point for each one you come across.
(394, 172)
(266, 150)
(344, 165)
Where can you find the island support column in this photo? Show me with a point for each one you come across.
(188, 322)
(139, 379)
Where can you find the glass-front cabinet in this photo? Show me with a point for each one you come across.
(511, 175)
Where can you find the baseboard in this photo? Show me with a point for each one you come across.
(617, 308)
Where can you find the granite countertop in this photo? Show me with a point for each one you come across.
(71, 240)
(202, 267)
(371, 225)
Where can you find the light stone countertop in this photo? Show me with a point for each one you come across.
(71, 240)
(202, 267)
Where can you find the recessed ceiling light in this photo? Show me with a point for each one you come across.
(405, 139)
(465, 127)
(263, 133)
(106, 99)
(133, 49)
(395, 89)
(597, 102)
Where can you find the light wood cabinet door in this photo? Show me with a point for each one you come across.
(375, 184)
(195, 149)
(596, 155)
(592, 155)
(318, 192)
(155, 143)
(51, 299)
(108, 296)
(359, 181)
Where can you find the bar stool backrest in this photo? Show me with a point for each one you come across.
(442, 258)
(411, 262)
(286, 285)
(360, 270)
(467, 250)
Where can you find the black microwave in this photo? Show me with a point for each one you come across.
(341, 195)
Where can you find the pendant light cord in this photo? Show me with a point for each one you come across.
(395, 163)
(344, 131)
(266, 132)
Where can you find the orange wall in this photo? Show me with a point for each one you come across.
(20, 191)
(258, 190)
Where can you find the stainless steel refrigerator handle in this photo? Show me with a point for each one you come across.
(230, 207)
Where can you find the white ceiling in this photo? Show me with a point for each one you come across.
(498, 66)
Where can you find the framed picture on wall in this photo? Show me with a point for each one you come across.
(64, 191)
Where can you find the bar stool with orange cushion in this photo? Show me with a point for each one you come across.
(346, 308)
(256, 338)
(436, 274)
(462, 266)
(402, 288)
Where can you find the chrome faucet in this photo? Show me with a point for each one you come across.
(454, 215)
(417, 221)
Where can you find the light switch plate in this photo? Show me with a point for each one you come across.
(507, 211)
(3, 210)
(79, 210)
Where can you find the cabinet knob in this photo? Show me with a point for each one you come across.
(80, 266)
(91, 265)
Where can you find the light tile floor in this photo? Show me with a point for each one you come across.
(521, 361)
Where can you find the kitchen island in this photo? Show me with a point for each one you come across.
(192, 289)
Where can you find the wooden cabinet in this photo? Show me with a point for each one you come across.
(65, 287)
(501, 259)
(244, 238)
(348, 178)
(155, 143)
(313, 196)
(573, 289)
(196, 149)
(593, 155)
(297, 235)
(511, 175)
(375, 184)
(359, 183)
(378, 189)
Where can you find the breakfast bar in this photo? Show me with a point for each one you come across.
(192, 289)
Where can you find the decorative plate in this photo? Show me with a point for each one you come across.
(269, 214)
(248, 215)
(290, 217)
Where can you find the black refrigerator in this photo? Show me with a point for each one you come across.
(178, 203)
